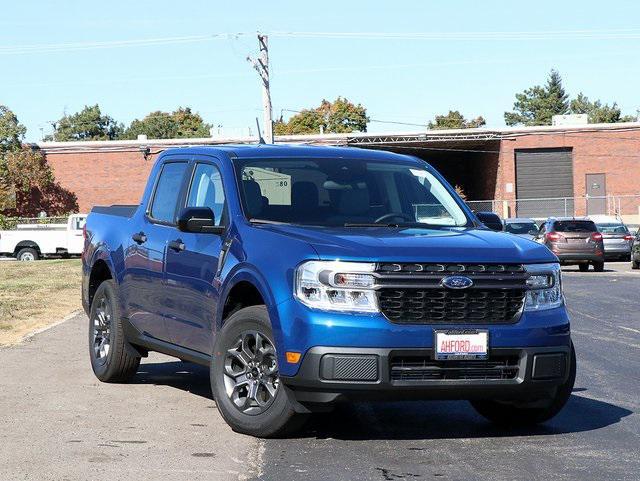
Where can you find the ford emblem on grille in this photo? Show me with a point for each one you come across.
(457, 282)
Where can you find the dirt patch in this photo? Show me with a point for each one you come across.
(36, 294)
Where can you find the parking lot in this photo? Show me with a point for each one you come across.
(58, 422)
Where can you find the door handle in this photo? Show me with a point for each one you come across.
(176, 245)
(139, 238)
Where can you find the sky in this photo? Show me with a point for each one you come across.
(405, 61)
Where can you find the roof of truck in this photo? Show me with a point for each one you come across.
(291, 150)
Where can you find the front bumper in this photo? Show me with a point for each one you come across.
(374, 374)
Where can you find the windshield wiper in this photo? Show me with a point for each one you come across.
(393, 224)
(266, 221)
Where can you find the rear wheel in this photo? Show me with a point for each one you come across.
(598, 266)
(635, 264)
(515, 414)
(27, 254)
(111, 361)
(245, 377)
(583, 267)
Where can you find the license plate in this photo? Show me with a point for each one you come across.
(461, 344)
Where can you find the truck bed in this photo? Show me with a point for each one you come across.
(120, 210)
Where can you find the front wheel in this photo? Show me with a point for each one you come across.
(635, 264)
(514, 414)
(245, 377)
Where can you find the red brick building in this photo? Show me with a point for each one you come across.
(528, 171)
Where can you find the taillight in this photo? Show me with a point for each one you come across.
(553, 236)
(596, 237)
(628, 237)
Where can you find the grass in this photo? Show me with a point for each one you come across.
(36, 294)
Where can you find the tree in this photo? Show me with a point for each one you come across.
(455, 120)
(339, 116)
(88, 124)
(180, 124)
(11, 131)
(536, 105)
(33, 187)
(597, 112)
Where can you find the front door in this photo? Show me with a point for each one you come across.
(143, 288)
(192, 266)
(596, 194)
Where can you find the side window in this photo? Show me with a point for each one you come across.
(165, 198)
(206, 190)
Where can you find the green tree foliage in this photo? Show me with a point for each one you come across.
(536, 105)
(11, 131)
(339, 116)
(598, 112)
(180, 124)
(455, 120)
(88, 124)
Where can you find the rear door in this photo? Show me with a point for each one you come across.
(192, 264)
(143, 283)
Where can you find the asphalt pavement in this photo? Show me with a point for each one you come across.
(57, 422)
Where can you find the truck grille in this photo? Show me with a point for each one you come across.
(413, 293)
(416, 368)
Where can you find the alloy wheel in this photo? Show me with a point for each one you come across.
(251, 377)
(102, 330)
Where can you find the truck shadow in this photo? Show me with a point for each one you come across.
(451, 420)
(185, 376)
(401, 420)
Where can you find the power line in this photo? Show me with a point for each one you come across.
(612, 34)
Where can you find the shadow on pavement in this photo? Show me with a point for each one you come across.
(450, 420)
(186, 376)
(400, 420)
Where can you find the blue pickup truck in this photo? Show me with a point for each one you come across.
(304, 276)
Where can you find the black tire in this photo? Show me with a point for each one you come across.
(118, 364)
(583, 267)
(27, 254)
(635, 264)
(279, 418)
(514, 415)
(598, 266)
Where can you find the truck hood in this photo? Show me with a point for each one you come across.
(387, 244)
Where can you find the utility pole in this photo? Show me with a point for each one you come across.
(262, 67)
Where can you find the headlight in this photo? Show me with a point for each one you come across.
(337, 286)
(544, 287)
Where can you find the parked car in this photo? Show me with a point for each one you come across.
(302, 277)
(30, 242)
(521, 226)
(635, 251)
(616, 235)
(574, 240)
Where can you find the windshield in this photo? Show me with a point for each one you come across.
(611, 228)
(520, 227)
(340, 192)
(575, 226)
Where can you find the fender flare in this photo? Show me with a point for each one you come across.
(247, 273)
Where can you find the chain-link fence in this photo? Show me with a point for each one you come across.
(626, 207)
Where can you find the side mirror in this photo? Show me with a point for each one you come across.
(491, 220)
(199, 220)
